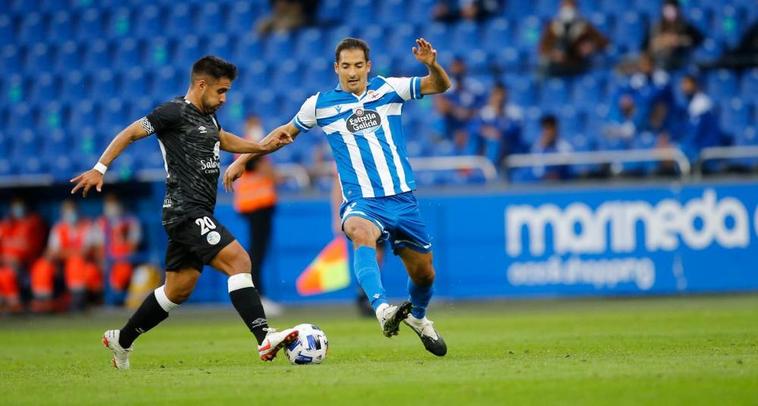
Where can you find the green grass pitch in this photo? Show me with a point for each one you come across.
(677, 350)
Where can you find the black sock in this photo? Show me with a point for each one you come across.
(248, 305)
(149, 315)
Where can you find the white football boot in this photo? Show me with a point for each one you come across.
(429, 336)
(390, 316)
(275, 341)
(120, 354)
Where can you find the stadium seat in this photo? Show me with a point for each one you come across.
(136, 83)
(91, 25)
(529, 32)
(249, 48)
(54, 115)
(39, 57)
(329, 11)
(730, 23)
(179, 21)
(120, 23)
(209, 18)
(721, 84)
(128, 53)
(150, 22)
(68, 57)
(588, 90)
(253, 76)
(496, 34)
(44, 88)
(83, 114)
(336, 34)
(33, 28)
(62, 27)
(375, 35)
(111, 113)
(188, 50)
(241, 17)
(389, 10)
(158, 52)
(437, 33)
(401, 38)
(630, 30)
(287, 74)
(554, 93)
(735, 116)
(21, 117)
(278, 45)
(7, 32)
(310, 44)
(23, 7)
(166, 84)
(701, 18)
(464, 37)
(419, 11)
(75, 86)
(358, 11)
(319, 72)
(750, 84)
(223, 45)
(13, 90)
(106, 84)
(709, 50)
(97, 54)
(11, 58)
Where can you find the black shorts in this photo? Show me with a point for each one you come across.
(195, 241)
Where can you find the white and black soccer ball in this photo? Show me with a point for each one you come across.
(310, 347)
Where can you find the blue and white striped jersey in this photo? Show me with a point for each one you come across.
(366, 135)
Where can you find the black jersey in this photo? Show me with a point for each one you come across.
(189, 141)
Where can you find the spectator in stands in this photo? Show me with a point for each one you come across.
(459, 104)
(622, 126)
(69, 254)
(22, 238)
(496, 130)
(471, 10)
(568, 42)
(116, 239)
(255, 199)
(653, 95)
(550, 142)
(671, 40)
(288, 15)
(700, 127)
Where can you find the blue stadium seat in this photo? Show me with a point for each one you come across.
(39, 57)
(51, 6)
(730, 24)
(33, 28)
(517, 9)
(22, 7)
(750, 84)
(278, 45)
(375, 36)
(266, 103)
(735, 116)
(496, 34)
(83, 114)
(529, 32)
(419, 11)
(358, 11)
(91, 25)
(253, 76)
(390, 10)
(465, 35)
(25, 144)
(111, 113)
(21, 117)
(589, 90)
(120, 23)
(7, 31)
(53, 115)
(75, 86)
(13, 90)
(241, 17)
(336, 34)
(249, 48)
(310, 44)
(97, 55)
(700, 18)
(150, 22)
(630, 30)
(128, 53)
(479, 62)
(287, 74)
(45, 87)
(62, 27)
(167, 83)
(159, 51)
(722, 84)
(330, 11)
(106, 84)
(143, 106)
(616, 6)
(554, 93)
(437, 33)
(209, 18)
(11, 58)
(68, 57)
(223, 45)
(709, 50)
(402, 37)
(136, 83)
(180, 20)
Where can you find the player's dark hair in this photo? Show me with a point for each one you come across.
(351, 43)
(548, 120)
(214, 67)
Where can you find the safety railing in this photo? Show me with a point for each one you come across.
(714, 153)
(601, 157)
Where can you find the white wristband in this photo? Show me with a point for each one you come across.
(100, 168)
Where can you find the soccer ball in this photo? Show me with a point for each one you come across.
(310, 347)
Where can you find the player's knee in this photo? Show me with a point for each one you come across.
(360, 236)
(423, 273)
(179, 294)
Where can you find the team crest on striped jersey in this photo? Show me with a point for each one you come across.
(363, 121)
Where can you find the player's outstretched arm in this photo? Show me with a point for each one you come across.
(437, 80)
(94, 176)
(276, 139)
(272, 142)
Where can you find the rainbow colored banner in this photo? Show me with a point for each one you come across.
(328, 272)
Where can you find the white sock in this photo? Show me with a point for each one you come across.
(163, 300)
(380, 310)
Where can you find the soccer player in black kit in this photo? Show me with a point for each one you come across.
(190, 138)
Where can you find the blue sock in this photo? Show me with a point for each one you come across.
(367, 272)
(420, 297)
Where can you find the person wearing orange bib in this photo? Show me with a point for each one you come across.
(255, 199)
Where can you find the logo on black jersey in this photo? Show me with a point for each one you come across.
(363, 121)
(202, 129)
(211, 166)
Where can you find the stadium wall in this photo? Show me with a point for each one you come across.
(553, 241)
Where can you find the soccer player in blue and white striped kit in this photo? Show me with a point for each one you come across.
(362, 121)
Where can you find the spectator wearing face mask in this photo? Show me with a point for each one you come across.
(671, 40)
(568, 42)
(22, 238)
(69, 254)
(116, 238)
